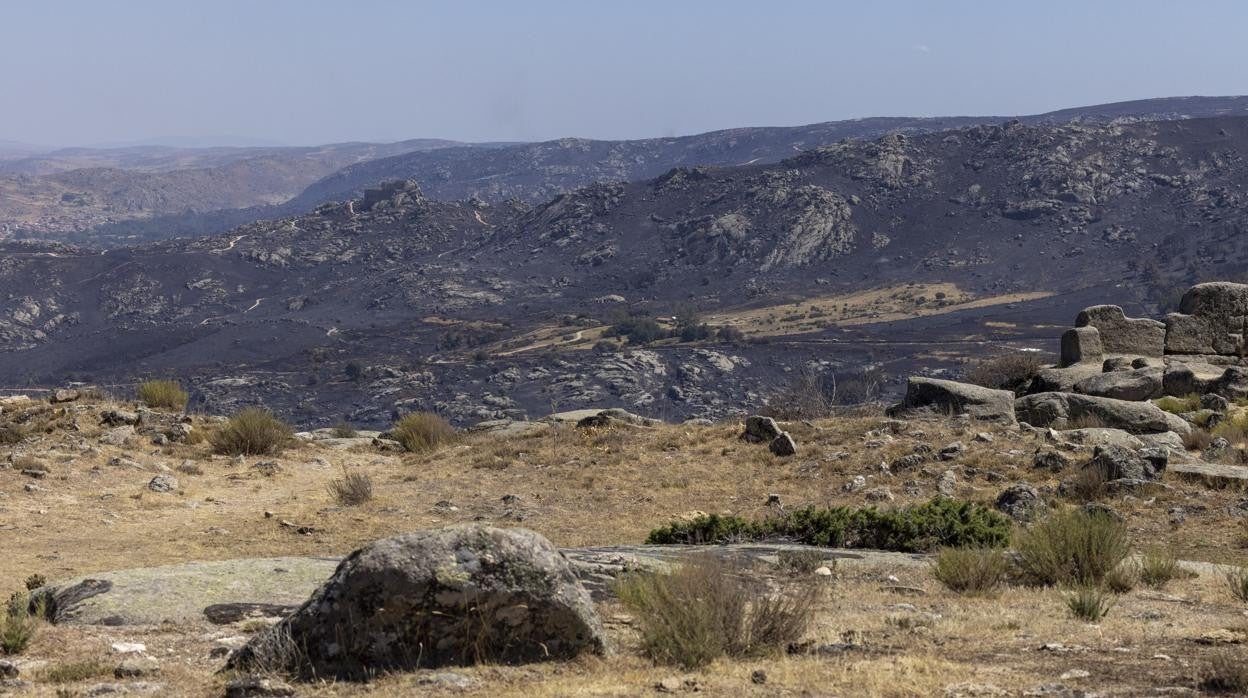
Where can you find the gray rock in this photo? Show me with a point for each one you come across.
(1020, 502)
(1099, 436)
(1124, 464)
(948, 483)
(1050, 460)
(64, 395)
(257, 687)
(1062, 380)
(117, 436)
(1080, 345)
(163, 483)
(116, 418)
(783, 445)
(1171, 442)
(1211, 320)
(455, 595)
(759, 429)
(616, 417)
(956, 399)
(1116, 363)
(951, 451)
(1123, 335)
(1214, 402)
(8, 670)
(1064, 410)
(1137, 385)
(136, 667)
(905, 463)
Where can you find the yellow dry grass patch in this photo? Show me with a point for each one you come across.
(887, 304)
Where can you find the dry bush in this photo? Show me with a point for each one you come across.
(1122, 578)
(1197, 440)
(805, 397)
(252, 432)
(162, 395)
(422, 431)
(1071, 547)
(1226, 672)
(702, 610)
(801, 563)
(345, 430)
(1233, 428)
(1237, 581)
(352, 489)
(1089, 603)
(72, 672)
(973, 571)
(1158, 566)
(1089, 483)
(1013, 372)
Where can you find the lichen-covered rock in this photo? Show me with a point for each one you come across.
(1064, 410)
(1211, 320)
(759, 429)
(1120, 334)
(1062, 380)
(456, 595)
(1020, 502)
(1081, 344)
(1142, 384)
(1125, 464)
(957, 398)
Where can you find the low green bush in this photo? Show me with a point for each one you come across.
(919, 528)
(1179, 405)
(17, 624)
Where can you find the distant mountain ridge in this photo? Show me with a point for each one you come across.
(185, 193)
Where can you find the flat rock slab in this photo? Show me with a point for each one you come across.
(230, 590)
(1214, 472)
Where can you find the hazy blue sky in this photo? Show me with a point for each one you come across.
(308, 71)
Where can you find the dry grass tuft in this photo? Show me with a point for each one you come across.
(1226, 672)
(162, 395)
(1237, 582)
(703, 610)
(352, 489)
(1157, 567)
(252, 432)
(423, 431)
(1071, 547)
(1090, 603)
(972, 571)
(1179, 405)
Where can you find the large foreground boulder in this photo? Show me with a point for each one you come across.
(1211, 320)
(457, 595)
(1072, 410)
(1081, 345)
(957, 398)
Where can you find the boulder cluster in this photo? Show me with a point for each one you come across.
(1112, 367)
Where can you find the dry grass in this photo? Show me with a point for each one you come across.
(1072, 548)
(1226, 672)
(162, 395)
(252, 432)
(423, 431)
(976, 571)
(1089, 603)
(580, 488)
(352, 489)
(704, 610)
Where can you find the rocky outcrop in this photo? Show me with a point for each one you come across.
(1141, 384)
(1212, 319)
(1081, 344)
(1120, 334)
(457, 595)
(1067, 410)
(957, 398)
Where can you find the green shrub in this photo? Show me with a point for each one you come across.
(970, 570)
(162, 395)
(352, 489)
(422, 431)
(703, 610)
(1089, 603)
(1071, 547)
(17, 624)
(1157, 567)
(251, 432)
(1179, 405)
(919, 528)
(1122, 578)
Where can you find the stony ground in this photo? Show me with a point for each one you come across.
(883, 627)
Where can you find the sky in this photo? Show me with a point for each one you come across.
(300, 72)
